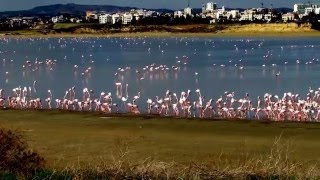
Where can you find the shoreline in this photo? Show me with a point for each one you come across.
(191, 30)
(145, 116)
(162, 34)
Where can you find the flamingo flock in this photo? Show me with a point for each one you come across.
(189, 104)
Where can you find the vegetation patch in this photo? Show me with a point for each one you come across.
(15, 156)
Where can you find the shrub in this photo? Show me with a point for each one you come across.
(15, 156)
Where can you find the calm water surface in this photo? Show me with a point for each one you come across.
(222, 64)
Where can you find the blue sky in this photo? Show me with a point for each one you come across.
(7, 5)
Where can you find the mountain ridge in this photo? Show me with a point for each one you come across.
(73, 9)
(80, 10)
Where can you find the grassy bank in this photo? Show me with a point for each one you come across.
(165, 35)
(59, 26)
(233, 30)
(73, 138)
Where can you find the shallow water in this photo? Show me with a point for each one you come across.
(202, 55)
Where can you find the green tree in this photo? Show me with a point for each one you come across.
(134, 21)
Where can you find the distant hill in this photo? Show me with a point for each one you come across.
(77, 10)
(73, 9)
(284, 9)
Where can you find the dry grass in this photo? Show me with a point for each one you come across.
(276, 28)
(248, 30)
(276, 165)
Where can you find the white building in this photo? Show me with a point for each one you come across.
(258, 17)
(313, 8)
(138, 12)
(105, 19)
(287, 17)
(91, 15)
(220, 13)
(209, 7)
(246, 17)
(178, 14)
(115, 18)
(213, 21)
(55, 19)
(126, 18)
(149, 13)
(209, 15)
(300, 8)
(187, 11)
(223, 9)
(308, 10)
(234, 13)
(268, 17)
(75, 20)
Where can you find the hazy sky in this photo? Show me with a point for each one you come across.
(8, 5)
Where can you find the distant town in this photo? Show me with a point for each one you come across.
(209, 14)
